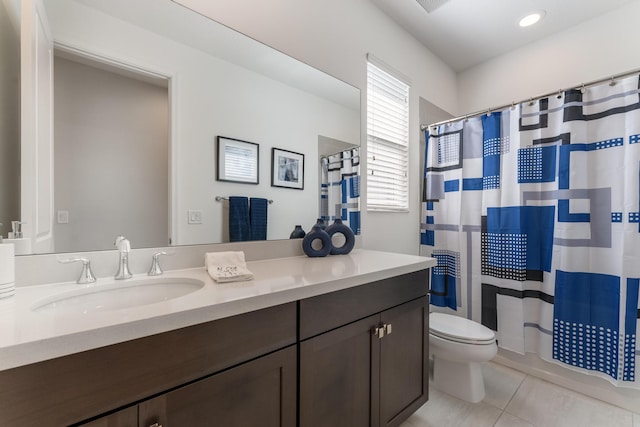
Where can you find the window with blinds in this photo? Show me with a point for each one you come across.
(387, 141)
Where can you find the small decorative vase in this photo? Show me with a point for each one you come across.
(316, 234)
(321, 223)
(347, 232)
(297, 233)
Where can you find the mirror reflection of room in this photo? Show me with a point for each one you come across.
(9, 116)
(143, 162)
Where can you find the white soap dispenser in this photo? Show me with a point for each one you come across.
(16, 227)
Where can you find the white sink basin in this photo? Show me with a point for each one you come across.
(114, 296)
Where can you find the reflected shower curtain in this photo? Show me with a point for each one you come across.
(533, 215)
(340, 188)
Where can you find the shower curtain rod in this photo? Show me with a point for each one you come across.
(611, 79)
(324, 156)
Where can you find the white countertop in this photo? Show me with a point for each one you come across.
(28, 336)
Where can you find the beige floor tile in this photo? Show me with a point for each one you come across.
(408, 424)
(500, 384)
(544, 404)
(443, 410)
(508, 420)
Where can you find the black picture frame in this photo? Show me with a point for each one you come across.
(287, 169)
(238, 161)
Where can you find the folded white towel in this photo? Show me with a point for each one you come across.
(227, 266)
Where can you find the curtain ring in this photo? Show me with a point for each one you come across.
(531, 102)
(560, 94)
(613, 81)
(583, 89)
(488, 113)
(513, 105)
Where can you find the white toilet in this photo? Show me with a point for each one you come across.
(459, 346)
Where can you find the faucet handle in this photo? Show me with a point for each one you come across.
(86, 276)
(155, 269)
(122, 244)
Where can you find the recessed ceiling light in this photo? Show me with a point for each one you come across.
(532, 18)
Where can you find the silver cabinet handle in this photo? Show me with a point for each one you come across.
(388, 329)
(379, 332)
(156, 425)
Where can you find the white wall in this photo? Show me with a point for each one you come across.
(211, 97)
(335, 36)
(599, 48)
(9, 116)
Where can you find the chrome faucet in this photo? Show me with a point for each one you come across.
(124, 247)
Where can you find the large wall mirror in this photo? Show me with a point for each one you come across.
(129, 101)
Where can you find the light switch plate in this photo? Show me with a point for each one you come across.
(194, 217)
(63, 217)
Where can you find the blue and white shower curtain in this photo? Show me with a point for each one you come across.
(340, 188)
(533, 215)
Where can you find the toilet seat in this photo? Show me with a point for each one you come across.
(459, 329)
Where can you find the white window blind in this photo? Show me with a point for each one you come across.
(387, 141)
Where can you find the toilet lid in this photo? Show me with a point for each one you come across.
(459, 329)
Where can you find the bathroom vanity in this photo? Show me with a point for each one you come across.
(334, 341)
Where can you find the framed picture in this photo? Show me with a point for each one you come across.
(238, 161)
(287, 169)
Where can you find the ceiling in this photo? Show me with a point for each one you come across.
(464, 33)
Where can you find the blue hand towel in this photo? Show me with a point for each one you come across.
(239, 230)
(258, 218)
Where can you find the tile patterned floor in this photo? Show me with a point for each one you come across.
(515, 399)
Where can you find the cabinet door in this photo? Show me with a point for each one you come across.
(260, 393)
(124, 418)
(335, 376)
(404, 377)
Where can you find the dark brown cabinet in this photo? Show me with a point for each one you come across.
(372, 371)
(354, 357)
(261, 393)
(124, 418)
(82, 386)
(404, 353)
(335, 376)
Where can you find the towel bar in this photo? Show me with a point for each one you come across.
(220, 198)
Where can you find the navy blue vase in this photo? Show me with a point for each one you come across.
(316, 234)
(321, 223)
(297, 233)
(347, 232)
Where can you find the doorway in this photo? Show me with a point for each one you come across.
(111, 155)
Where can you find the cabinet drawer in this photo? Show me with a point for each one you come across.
(77, 387)
(259, 393)
(325, 312)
